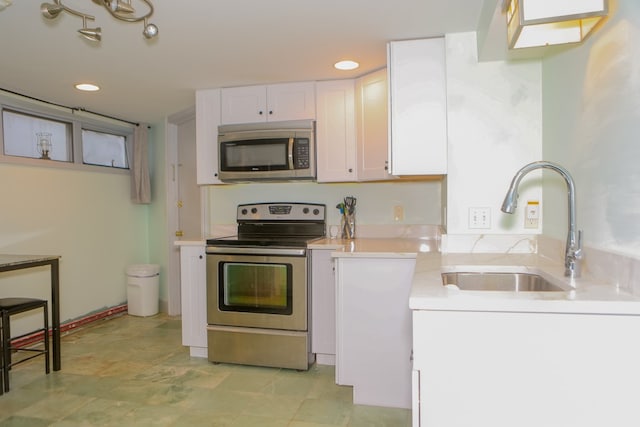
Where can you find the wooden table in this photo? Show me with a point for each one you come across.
(20, 262)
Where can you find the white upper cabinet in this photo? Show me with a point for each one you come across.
(335, 131)
(207, 121)
(417, 98)
(352, 129)
(372, 127)
(280, 102)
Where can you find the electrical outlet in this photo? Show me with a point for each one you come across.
(532, 214)
(398, 213)
(479, 217)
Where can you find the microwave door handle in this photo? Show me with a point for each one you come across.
(291, 153)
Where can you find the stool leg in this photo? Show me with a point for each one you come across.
(2, 367)
(46, 338)
(6, 350)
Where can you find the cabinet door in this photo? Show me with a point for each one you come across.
(193, 284)
(207, 121)
(291, 101)
(323, 308)
(372, 125)
(418, 143)
(335, 131)
(246, 104)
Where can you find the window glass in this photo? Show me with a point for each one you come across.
(20, 135)
(104, 149)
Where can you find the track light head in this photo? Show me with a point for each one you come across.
(150, 31)
(50, 10)
(93, 34)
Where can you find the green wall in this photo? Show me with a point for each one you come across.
(591, 125)
(87, 218)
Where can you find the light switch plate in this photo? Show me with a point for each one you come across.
(480, 218)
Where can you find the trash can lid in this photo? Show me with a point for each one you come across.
(143, 270)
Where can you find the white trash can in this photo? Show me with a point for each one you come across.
(143, 288)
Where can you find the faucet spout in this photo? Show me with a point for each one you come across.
(573, 248)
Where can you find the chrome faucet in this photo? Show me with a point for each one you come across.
(573, 249)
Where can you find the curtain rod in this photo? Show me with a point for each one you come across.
(73, 109)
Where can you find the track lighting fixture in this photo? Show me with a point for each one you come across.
(119, 9)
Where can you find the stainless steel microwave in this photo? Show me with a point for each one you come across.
(267, 151)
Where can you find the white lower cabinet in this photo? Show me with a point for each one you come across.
(505, 369)
(193, 285)
(374, 329)
(323, 307)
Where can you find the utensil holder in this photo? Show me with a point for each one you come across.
(348, 226)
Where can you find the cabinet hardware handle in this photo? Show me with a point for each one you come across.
(270, 112)
(260, 112)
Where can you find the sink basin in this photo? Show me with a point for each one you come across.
(510, 282)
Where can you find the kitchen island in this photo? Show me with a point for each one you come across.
(522, 358)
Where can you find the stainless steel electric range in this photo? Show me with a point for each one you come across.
(258, 286)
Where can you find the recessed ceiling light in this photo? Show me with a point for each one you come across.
(346, 65)
(87, 87)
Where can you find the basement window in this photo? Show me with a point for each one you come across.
(74, 140)
(20, 136)
(104, 149)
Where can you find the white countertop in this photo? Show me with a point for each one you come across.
(428, 293)
(190, 242)
(376, 248)
(587, 296)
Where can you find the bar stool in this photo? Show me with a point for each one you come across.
(9, 307)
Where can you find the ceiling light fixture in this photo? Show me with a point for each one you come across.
(346, 65)
(119, 9)
(5, 3)
(87, 87)
(533, 23)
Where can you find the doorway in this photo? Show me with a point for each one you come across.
(185, 199)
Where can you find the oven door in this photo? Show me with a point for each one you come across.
(257, 290)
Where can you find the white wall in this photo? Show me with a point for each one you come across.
(420, 200)
(591, 122)
(495, 127)
(160, 243)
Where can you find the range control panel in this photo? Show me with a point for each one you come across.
(281, 211)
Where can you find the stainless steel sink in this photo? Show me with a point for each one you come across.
(509, 282)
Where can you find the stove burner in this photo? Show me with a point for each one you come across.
(276, 225)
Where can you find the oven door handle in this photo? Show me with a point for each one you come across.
(256, 251)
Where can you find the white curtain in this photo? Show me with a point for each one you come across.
(140, 181)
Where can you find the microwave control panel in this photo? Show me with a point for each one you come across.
(301, 153)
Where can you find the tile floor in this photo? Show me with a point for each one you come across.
(132, 371)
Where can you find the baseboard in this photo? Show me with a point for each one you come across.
(70, 325)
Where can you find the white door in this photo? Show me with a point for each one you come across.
(184, 198)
